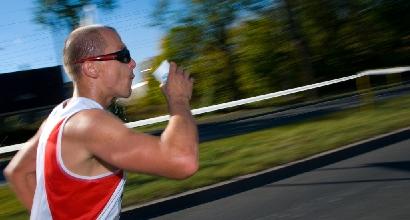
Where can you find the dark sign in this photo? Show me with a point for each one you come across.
(29, 89)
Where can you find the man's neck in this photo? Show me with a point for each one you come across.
(88, 93)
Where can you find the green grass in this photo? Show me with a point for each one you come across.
(10, 208)
(230, 157)
(227, 158)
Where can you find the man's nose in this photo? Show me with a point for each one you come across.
(132, 64)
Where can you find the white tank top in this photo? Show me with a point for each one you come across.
(62, 194)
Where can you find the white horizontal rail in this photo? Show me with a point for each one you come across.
(270, 95)
(212, 108)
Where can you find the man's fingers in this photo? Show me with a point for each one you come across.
(172, 69)
(180, 71)
(186, 74)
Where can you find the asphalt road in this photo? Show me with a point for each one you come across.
(374, 185)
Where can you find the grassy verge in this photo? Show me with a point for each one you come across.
(10, 208)
(226, 158)
(230, 157)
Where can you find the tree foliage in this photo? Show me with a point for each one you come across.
(237, 49)
(54, 13)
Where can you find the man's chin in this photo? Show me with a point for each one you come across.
(126, 95)
(129, 93)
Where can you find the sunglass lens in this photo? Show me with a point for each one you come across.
(124, 56)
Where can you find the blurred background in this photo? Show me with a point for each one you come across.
(234, 49)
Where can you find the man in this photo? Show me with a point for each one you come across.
(73, 166)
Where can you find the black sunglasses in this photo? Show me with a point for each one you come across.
(123, 56)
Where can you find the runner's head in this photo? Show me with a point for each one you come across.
(97, 54)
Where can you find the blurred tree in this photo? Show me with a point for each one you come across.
(365, 35)
(54, 13)
(320, 21)
(300, 42)
(263, 53)
(182, 43)
(234, 52)
(395, 17)
(348, 36)
(203, 28)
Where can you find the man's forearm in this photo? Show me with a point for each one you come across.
(182, 130)
(21, 173)
(24, 187)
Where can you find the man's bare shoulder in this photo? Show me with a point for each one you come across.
(93, 123)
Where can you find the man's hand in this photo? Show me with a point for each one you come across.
(178, 88)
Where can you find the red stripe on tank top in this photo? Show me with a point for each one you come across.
(70, 197)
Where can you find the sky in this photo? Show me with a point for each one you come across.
(25, 44)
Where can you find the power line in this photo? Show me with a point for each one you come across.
(16, 58)
(48, 58)
(29, 51)
(41, 35)
(16, 10)
(16, 22)
(128, 13)
(55, 30)
(12, 60)
(17, 66)
(45, 44)
(23, 56)
(29, 36)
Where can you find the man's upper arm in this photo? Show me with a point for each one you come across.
(107, 138)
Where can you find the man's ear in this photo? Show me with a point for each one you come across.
(90, 70)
